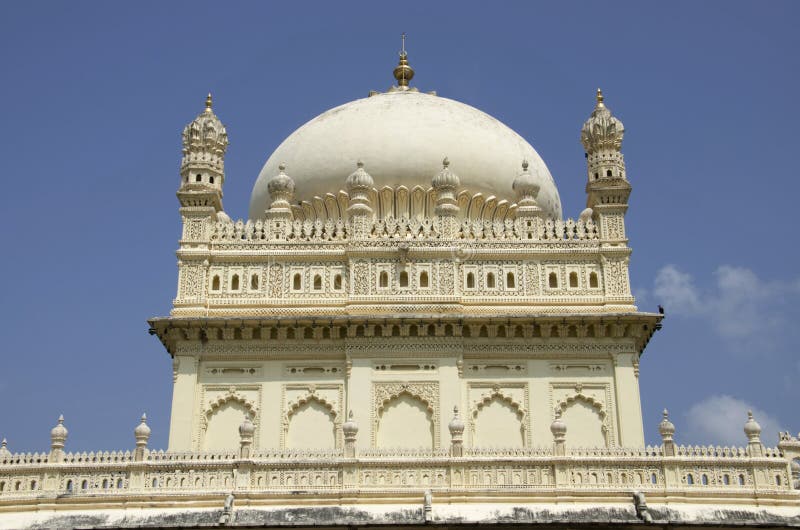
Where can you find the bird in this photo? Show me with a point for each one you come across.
(660, 309)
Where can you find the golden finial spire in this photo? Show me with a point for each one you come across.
(403, 72)
(599, 97)
(208, 102)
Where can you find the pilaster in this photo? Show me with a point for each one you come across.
(183, 401)
(630, 431)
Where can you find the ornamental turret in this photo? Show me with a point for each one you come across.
(445, 185)
(58, 438)
(205, 141)
(607, 188)
(281, 192)
(359, 209)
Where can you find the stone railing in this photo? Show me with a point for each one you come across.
(403, 228)
(286, 471)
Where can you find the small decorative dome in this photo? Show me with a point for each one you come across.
(59, 433)
(281, 186)
(666, 428)
(558, 427)
(586, 214)
(4, 452)
(526, 185)
(602, 130)
(350, 427)
(205, 140)
(456, 425)
(247, 428)
(445, 178)
(359, 178)
(751, 428)
(142, 431)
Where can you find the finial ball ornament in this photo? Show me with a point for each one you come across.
(751, 427)
(350, 427)
(666, 428)
(456, 425)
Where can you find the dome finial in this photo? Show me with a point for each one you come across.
(599, 96)
(209, 102)
(403, 72)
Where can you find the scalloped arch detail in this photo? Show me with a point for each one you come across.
(309, 397)
(486, 399)
(231, 395)
(595, 404)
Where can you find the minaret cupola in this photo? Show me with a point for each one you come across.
(205, 141)
(601, 137)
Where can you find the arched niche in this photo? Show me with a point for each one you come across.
(584, 418)
(405, 421)
(498, 422)
(221, 421)
(311, 424)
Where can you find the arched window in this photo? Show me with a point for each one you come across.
(383, 280)
(470, 280)
(33, 485)
(254, 282)
(552, 279)
(317, 282)
(297, 282)
(777, 480)
(69, 486)
(84, 485)
(235, 282)
(573, 279)
(704, 480)
(726, 479)
(431, 329)
(119, 483)
(337, 282)
(215, 284)
(423, 279)
(105, 483)
(198, 178)
(490, 281)
(593, 280)
(653, 478)
(326, 333)
(608, 172)
(511, 282)
(690, 479)
(2, 485)
(403, 279)
(741, 480)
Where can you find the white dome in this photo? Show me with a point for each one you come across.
(402, 137)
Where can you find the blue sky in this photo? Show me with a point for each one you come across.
(95, 95)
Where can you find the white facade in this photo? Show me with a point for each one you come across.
(429, 344)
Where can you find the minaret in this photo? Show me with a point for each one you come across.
(607, 188)
(200, 194)
(203, 164)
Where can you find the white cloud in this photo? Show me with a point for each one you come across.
(720, 420)
(741, 307)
